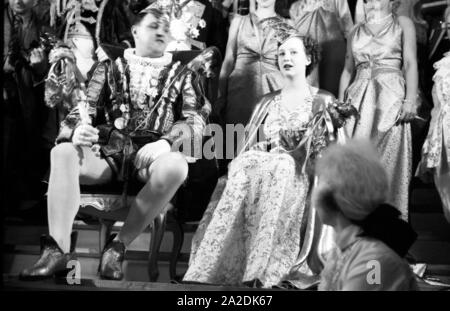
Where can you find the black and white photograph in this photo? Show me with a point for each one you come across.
(242, 148)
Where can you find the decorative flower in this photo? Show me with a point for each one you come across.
(178, 29)
(153, 92)
(194, 33)
(184, 18)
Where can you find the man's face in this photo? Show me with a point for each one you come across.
(151, 36)
(22, 6)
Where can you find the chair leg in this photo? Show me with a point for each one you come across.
(157, 235)
(104, 233)
(178, 239)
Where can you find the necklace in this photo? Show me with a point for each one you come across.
(379, 20)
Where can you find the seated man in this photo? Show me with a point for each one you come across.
(147, 105)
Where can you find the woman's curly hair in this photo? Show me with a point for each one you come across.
(312, 50)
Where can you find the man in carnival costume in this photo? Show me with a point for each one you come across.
(126, 126)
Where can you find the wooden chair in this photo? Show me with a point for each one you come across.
(192, 198)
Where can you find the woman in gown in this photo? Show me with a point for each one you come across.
(377, 51)
(436, 150)
(328, 22)
(249, 69)
(262, 227)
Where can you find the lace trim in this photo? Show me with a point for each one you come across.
(133, 59)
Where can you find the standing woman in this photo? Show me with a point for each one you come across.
(328, 22)
(249, 68)
(382, 53)
(436, 150)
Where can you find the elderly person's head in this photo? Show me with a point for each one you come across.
(352, 188)
(352, 176)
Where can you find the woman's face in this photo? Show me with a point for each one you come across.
(151, 36)
(292, 59)
(376, 9)
(265, 3)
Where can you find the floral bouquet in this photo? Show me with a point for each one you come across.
(308, 143)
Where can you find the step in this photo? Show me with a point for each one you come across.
(88, 238)
(135, 269)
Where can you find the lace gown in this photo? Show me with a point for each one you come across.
(436, 150)
(256, 229)
(377, 92)
(328, 22)
(256, 70)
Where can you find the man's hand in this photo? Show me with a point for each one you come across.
(101, 54)
(150, 152)
(85, 135)
(38, 60)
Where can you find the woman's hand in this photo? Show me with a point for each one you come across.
(150, 152)
(289, 139)
(85, 135)
(408, 112)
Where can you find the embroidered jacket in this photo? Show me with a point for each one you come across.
(169, 104)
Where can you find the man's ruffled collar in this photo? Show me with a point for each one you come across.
(132, 58)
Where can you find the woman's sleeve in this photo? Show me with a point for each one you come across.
(294, 11)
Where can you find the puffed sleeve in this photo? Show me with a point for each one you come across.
(345, 17)
(195, 110)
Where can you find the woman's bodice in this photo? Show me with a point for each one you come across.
(382, 50)
(260, 46)
(280, 118)
(322, 19)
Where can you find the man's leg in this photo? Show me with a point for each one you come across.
(70, 166)
(164, 177)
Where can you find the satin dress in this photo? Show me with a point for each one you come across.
(377, 92)
(328, 22)
(256, 71)
(260, 228)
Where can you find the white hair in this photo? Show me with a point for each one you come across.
(355, 176)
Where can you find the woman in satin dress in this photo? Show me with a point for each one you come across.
(382, 54)
(258, 230)
(328, 22)
(249, 69)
